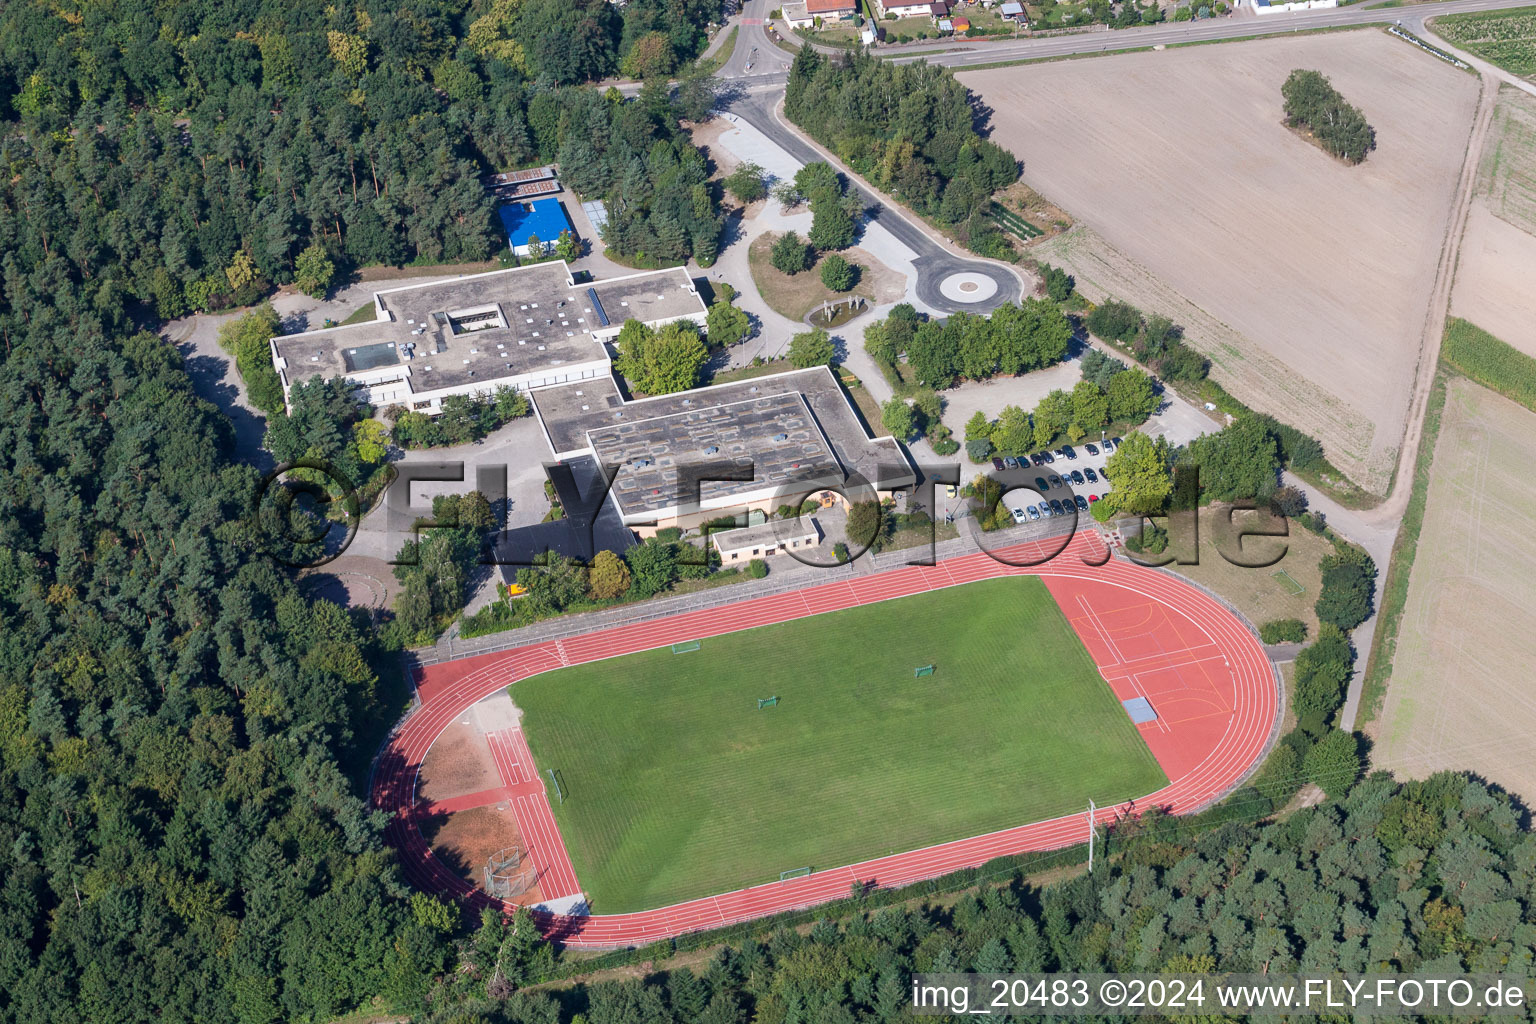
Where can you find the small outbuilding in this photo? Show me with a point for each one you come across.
(1012, 11)
(543, 219)
(737, 547)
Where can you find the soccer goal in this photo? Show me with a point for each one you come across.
(1288, 582)
(686, 646)
(509, 873)
(767, 702)
(785, 876)
(922, 670)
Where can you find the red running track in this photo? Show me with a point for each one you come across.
(1151, 635)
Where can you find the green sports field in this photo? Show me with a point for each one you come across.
(677, 786)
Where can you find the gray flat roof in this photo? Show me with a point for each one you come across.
(766, 535)
(741, 418)
(772, 439)
(547, 324)
(447, 353)
(660, 295)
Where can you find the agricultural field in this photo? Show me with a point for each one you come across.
(1178, 161)
(678, 786)
(1459, 695)
(1505, 38)
(1498, 252)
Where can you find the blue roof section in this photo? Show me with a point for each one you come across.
(543, 217)
(1140, 710)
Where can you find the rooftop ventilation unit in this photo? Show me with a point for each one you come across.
(712, 449)
(781, 437)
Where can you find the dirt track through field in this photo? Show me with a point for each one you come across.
(1298, 266)
(1459, 696)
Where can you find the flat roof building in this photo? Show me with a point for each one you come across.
(766, 539)
(543, 219)
(787, 437)
(528, 328)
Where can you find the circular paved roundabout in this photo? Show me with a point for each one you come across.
(968, 287)
(1150, 634)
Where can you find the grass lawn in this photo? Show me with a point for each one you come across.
(677, 786)
(795, 295)
(1256, 592)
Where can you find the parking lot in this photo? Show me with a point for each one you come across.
(1056, 483)
(1021, 490)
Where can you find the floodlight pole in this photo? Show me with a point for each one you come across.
(1090, 837)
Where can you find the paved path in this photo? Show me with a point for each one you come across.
(1211, 756)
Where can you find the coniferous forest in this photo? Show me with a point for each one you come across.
(184, 736)
(183, 158)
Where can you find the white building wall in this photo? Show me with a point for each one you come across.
(1286, 8)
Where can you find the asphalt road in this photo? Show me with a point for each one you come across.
(1233, 27)
(756, 105)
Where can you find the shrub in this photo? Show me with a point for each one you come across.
(1153, 540)
(747, 183)
(840, 552)
(812, 348)
(1322, 673)
(247, 340)
(1058, 283)
(1114, 321)
(1345, 599)
(757, 568)
(837, 273)
(790, 254)
(1283, 631)
(898, 419)
(1288, 502)
(1333, 763)
(978, 449)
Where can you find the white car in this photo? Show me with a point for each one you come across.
(1019, 516)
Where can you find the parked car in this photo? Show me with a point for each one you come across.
(1092, 449)
(1088, 472)
(952, 491)
(1056, 508)
(1037, 459)
(1056, 481)
(1069, 452)
(997, 463)
(1041, 485)
(1034, 513)
(1009, 462)
(1093, 497)
(1117, 441)
(1019, 516)
(1077, 476)
(1109, 446)
(1048, 457)
(1082, 503)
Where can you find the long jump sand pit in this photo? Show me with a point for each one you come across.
(1314, 276)
(1460, 695)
